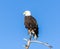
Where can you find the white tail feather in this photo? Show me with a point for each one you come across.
(35, 37)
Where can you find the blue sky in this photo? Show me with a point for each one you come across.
(12, 30)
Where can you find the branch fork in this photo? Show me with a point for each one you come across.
(35, 41)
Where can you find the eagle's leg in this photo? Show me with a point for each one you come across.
(30, 37)
(35, 36)
(30, 33)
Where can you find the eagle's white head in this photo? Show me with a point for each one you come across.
(27, 13)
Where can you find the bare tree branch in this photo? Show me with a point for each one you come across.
(35, 41)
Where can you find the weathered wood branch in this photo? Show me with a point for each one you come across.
(36, 41)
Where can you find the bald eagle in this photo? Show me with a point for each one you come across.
(30, 24)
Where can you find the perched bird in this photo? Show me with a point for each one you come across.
(30, 24)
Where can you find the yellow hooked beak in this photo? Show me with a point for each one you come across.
(25, 13)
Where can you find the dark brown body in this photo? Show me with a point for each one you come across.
(31, 24)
